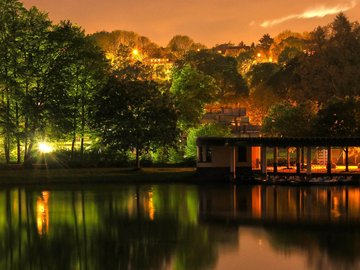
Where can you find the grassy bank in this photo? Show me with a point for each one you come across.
(95, 175)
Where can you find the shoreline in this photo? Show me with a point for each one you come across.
(147, 175)
(96, 175)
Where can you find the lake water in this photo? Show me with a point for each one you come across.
(180, 227)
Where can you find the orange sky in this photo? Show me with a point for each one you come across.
(207, 21)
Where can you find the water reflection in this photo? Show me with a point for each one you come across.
(298, 227)
(180, 227)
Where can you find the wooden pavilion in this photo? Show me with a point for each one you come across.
(219, 156)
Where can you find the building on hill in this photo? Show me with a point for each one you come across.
(234, 117)
(229, 49)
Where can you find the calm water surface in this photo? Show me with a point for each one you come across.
(180, 227)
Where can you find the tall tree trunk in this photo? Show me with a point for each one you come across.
(73, 147)
(7, 131)
(18, 144)
(29, 149)
(74, 121)
(137, 159)
(82, 124)
(26, 128)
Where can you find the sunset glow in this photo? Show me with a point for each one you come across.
(208, 22)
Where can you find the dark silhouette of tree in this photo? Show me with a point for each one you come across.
(134, 115)
(339, 118)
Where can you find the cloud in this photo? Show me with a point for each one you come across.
(316, 12)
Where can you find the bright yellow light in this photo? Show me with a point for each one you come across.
(45, 148)
(259, 54)
(135, 52)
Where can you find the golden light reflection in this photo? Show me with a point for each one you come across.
(336, 207)
(42, 213)
(256, 201)
(151, 206)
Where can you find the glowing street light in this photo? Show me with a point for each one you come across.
(135, 51)
(45, 148)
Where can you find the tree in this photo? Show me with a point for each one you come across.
(110, 42)
(245, 60)
(331, 67)
(26, 58)
(223, 69)
(339, 118)
(191, 90)
(262, 92)
(288, 120)
(265, 42)
(180, 45)
(261, 74)
(12, 15)
(78, 69)
(134, 115)
(287, 45)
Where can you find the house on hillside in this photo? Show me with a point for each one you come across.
(236, 118)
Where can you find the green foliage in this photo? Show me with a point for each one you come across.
(224, 71)
(288, 120)
(134, 115)
(260, 74)
(245, 61)
(191, 90)
(216, 130)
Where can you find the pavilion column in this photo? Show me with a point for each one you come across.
(308, 160)
(263, 160)
(328, 165)
(298, 159)
(302, 157)
(276, 155)
(346, 159)
(204, 153)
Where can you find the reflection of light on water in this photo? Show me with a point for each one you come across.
(336, 207)
(151, 206)
(42, 213)
(256, 201)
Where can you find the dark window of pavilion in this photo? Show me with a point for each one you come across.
(208, 154)
(242, 154)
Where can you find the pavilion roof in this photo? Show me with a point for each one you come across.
(281, 141)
